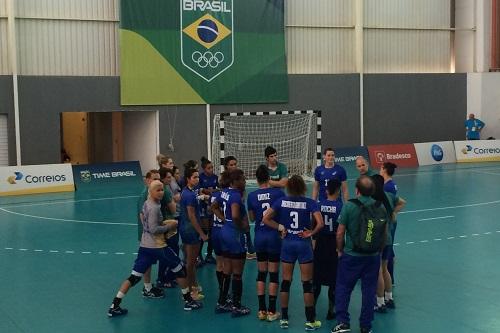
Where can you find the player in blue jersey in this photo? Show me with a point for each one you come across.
(325, 254)
(154, 248)
(329, 170)
(387, 171)
(216, 233)
(190, 228)
(231, 209)
(208, 184)
(230, 164)
(267, 243)
(393, 205)
(297, 218)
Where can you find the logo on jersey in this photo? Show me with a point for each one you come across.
(12, 179)
(85, 176)
(207, 43)
(437, 153)
(466, 149)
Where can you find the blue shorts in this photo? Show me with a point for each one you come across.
(189, 236)
(216, 237)
(146, 257)
(233, 241)
(267, 242)
(297, 250)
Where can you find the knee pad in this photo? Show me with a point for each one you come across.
(307, 286)
(134, 279)
(262, 276)
(285, 286)
(181, 273)
(274, 277)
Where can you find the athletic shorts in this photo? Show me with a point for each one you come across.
(216, 237)
(146, 257)
(233, 241)
(189, 236)
(267, 242)
(297, 250)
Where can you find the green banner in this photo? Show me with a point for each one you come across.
(202, 52)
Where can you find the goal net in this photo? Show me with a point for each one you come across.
(296, 135)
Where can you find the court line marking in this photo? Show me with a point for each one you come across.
(486, 173)
(135, 224)
(101, 253)
(437, 218)
(473, 169)
(66, 220)
(69, 201)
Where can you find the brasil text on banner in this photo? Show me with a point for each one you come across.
(202, 51)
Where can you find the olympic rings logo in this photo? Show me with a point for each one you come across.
(207, 59)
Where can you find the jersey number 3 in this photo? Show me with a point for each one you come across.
(295, 219)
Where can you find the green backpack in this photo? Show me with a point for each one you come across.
(371, 228)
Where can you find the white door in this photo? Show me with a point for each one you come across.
(4, 141)
(141, 138)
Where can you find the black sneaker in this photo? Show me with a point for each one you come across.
(390, 304)
(223, 308)
(240, 311)
(116, 311)
(340, 328)
(380, 308)
(153, 293)
(366, 330)
(192, 305)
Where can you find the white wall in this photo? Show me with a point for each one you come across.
(483, 99)
(141, 138)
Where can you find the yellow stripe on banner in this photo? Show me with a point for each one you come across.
(52, 189)
(480, 159)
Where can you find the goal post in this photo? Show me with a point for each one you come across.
(296, 135)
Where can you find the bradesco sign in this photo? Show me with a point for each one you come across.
(32, 179)
(477, 151)
(403, 155)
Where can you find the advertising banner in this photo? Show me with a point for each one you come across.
(403, 155)
(202, 52)
(477, 151)
(346, 157)
(30, 179)
(94, 176)
(429, 153)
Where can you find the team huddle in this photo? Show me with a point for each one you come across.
(336, 241)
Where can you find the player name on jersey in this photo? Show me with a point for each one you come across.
(328, 209)
(264, 196)
(293, 204)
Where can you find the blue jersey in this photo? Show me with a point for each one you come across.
(294, 213)
(260, 200)
(188, 198)
(330, 211)
(391, 187)
(213, 198)
(228, 197)
(473, 126)
(208, 182)
(323, 174)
